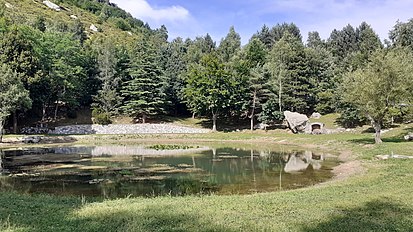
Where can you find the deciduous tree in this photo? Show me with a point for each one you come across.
(13, 95)
(384, 83)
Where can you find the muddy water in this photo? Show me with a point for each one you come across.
(141, 170)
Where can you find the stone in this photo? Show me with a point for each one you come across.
(34, 130)
(409, 136)
(51, 5)
(261, 126)
(316, 115)
(298, 123)
(8, 5)
(316, 132)
(73, 16)
(93, 28)
(127, 129)
(317, 128)
(393, 156)
(32, 139)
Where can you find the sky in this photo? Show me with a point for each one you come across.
(191, 18)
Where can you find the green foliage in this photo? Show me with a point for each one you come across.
(351, 117)
(271, 36)
(292, 77)
(230, 45)
(100, 117)
(402, 34)
(108, 99)
(211, 88)
(40, 23)
(270, 113)
(384, 83)
(13, 95)
(175, 70)
(144, 92)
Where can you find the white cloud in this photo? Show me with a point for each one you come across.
(141, 9)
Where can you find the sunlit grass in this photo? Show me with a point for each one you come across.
(378, 199)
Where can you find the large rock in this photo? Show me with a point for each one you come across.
(51, 5)
(32, 139)
(8, 5)
(409, 136)
(316, 115)
(93, 28)
(297, 122)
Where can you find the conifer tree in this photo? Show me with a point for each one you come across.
(144, 92)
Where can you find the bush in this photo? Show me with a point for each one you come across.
(99, 117)
(270, 113)
(351, 117)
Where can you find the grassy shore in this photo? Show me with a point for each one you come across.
(378, 199)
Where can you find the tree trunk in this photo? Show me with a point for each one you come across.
(279, 93)
(44, 107)
(214, 122)
(1, 130)
(1, 162)
(143, 118)
(56, 110)
(253, 110)
(377, 129)
(15, 122)
(193, 115)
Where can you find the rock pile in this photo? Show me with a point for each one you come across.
(127, 129)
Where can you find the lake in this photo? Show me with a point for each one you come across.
(116, 171)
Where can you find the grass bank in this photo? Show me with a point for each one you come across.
(380, 199)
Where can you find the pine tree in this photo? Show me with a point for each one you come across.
(229, 45)
(107, 98)
(144, 92)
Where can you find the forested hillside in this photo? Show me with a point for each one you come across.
(91, 54)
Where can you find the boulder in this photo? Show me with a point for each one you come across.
(93, 28)
(73, 16)
(261, 126)
(409, 136)
(51, 5)
(32, 139)
(297, 122)
(8, 5)
(316, 115)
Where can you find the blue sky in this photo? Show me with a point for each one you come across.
(191, 18)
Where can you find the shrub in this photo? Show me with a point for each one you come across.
(351, 117)
(99, 117)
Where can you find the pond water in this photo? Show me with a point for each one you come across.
(151, 170)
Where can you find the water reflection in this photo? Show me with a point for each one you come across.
(119, 171)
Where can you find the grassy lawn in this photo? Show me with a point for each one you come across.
(379, 199)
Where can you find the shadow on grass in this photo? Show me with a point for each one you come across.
(394, 139)
(39, 213)
(227, 124)
(379, 215)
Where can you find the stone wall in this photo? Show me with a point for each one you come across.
(127, 129)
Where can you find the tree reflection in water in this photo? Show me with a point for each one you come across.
(76, 171)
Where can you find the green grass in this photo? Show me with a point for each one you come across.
(329, 120)
(379, 199)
